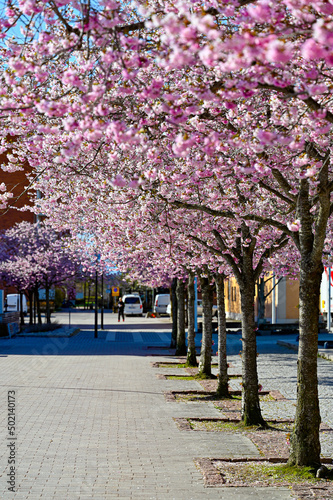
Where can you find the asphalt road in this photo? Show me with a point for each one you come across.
(85, 320)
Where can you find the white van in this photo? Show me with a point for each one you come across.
(199, 308)
(133, 305)
(161, 303)
(13, 302)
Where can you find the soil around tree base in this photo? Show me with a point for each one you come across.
(273, 444)
(228, 473)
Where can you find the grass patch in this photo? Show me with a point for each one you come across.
(203, 376)
(265, 473)
(171, 365)
(193, 396)
(190, 422)
(215, 426)
(180, 377)
(180, 365)
(290, 473)
(191, 377)
(281, 426)
(282, 473)
(266, 397)
(223, 426)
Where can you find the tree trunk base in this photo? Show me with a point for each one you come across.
(294, 462)
(254, 417)
(300, 456)
(205, 375)
(223, 391)
(181, 351)
(191, 360)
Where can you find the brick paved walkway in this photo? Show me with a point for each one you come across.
(92, 422)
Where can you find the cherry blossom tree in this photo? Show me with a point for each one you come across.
(238, 92)
(34, 256)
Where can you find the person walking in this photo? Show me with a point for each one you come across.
(121, 307)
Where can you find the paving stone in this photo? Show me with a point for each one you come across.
(93, 422)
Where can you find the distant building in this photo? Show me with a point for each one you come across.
(16, 182)
(286, 300)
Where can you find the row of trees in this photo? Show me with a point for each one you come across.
(35, 257)
(189, 138)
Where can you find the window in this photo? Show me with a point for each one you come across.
(132, 300)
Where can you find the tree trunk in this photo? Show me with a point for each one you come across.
(47, 299)
(174, 307)
(205, 363)
(191, 352)
(261, 300)
(251, 413)
(39, 314)
(181, 336)
(222, 387)
(31, 311)
(21, 310)
(305, 443)
(89, 291)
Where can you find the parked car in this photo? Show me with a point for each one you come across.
(161, 303)
(133, 305)
(199, 309)
(214, 309)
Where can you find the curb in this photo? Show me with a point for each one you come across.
(322, 353)
(61, 332)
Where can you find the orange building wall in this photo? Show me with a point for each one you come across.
(287, 299)
(232, 298)
(292, 299)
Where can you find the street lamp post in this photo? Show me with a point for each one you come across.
(96, 305)
(273, 301)
(102, 306)
(329, 301)
(196, 305)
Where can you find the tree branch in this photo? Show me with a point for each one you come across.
(227, 256)
(282, 181)
(276, 193)
(281, 243)
(291, 93)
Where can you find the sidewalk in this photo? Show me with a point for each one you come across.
(93, 422)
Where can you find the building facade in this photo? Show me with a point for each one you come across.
(284, 296)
